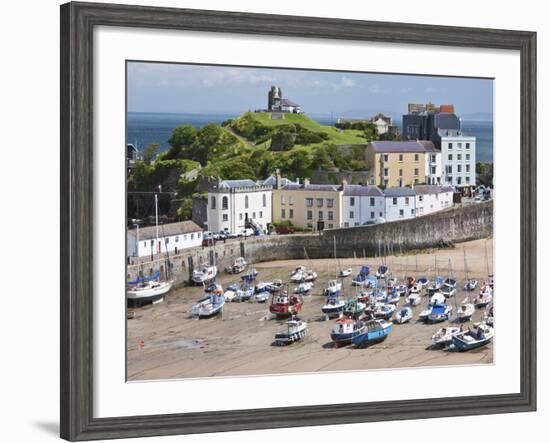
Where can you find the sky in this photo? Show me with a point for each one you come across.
(181, 88)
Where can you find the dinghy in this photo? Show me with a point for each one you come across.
(209, 305)
(295, 330)
(250, 276)
(414, 298)
(345, 273)
(345, 329)
(403, 315)
(374, 332)
(423, 281)
(361, 278)
(478, 335)
(444, 336)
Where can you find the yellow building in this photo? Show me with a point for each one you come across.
(402, 163)
(308, 205)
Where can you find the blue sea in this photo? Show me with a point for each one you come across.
(145, 128)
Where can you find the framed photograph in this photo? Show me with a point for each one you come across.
(275, 221)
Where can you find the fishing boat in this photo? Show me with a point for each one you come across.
(444, 336)
(209, 305)
(382, 271)
(150, 291)
(334, 305)
(478, 335)
(375, 331)
(303, 288)
(345, 273)
(383, 310)
(231, 292)
(345, 329)
(440, 313)
(424, 314)
(262, 297)
(484, 297)
(238, 266)
(354, 308)
(334, 287)
(283, 305)
(403, 315)
(204, 275)
(295, 330)
(465, 311)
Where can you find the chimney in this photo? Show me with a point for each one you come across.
(277, 179)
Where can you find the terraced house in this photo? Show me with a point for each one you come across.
(403, 163)
(308, 206)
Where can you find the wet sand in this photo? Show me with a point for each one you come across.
(164, 342)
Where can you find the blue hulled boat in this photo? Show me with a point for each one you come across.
(375, 331)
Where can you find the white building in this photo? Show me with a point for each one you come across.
(234, 204)
(382, 123)
(433, 168)
(430, 198)
(172, 237)
(400, 203)
(362, 204)
(458, 158)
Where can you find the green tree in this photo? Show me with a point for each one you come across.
(181, 140)
(150, 152)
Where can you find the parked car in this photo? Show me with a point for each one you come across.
(208, 241)
(247, 232)
(231, 234)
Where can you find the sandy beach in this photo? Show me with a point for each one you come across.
(164, 342)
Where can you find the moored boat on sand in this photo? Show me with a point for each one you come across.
(295, 330)
(375, 331)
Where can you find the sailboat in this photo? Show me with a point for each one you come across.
(149, 289)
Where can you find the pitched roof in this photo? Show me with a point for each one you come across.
(403, 146)
(287, 102)
(311, 187)
(431, 189)
(272, 181)
(399, 192)
(359, 190)
(247, 183)
(167, 230)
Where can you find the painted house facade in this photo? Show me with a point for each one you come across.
(362, 204)
(172, 238)
(431, 198)
(234, 205)
(458, 157)
(400, 203)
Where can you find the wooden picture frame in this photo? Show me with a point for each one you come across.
(77, 23)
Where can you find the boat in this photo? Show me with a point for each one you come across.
(238, 266)
(361, 278)
(444, 336)
(209, 305)
(334, 305)
(410, 281)
(436, 285)
(244, 293)
(204, 275)
(152, 291)
(392, 296)
(283, 305)
(212, 287)
(263, 286)
(423, 281)
(365, 296)
(438, 299)
(262, 297)
(345, 273)
(448, 291)
(423, 316)
(489, 315)
(478, 335)
(485, 296)
(231, 292)
(275, 285)
(295, 330)
(401, 290)
(414, 298)
(301, 274)
(345, 329)
(465, 311)
(470, 284)
(440, 313)
(403, 315)
(303, 288)
(375, 331)
(250, 276)
(354, 308)
(334, 287)
(383, 310)
(382, 271)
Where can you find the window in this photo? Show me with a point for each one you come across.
(262, 214)
(290, 200)
(330, 215)
(291, 213)
(246, 202)
(433, 158)
(386, 172)
(224, 217)
(192, 236)
(415, 181)
(320, 215)
(450, 146)
(330, 226)
(253, 215)
(309, 202)
(385, 157)
(372, 215)
(415, 171)
(386, 182)
(352, 201)
(467, 157)
(420, 198)
(283, 200)
(330, 202)
(225, 202)
(459, 168)
(264, 200)
(467, 168)
(351, 214)
(309, 225)
(356, 224)
(416, 157)
(406, 200)
(449, 169)
(380, 214)
(346, 225)
(433, 170)
(394, 201)
(459, 180)
(177, 238)
(459, 157)
(213, 202)
(198, 235)
(467, 179)
(401, 157)
(372, 201)
(310, 215)
(319, 202)
(241, 216)
(401, 173)
(401, 213)
(412, 211)
(467, 145)
(450, 156)
(283, 213)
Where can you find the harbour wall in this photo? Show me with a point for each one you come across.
(438, 230)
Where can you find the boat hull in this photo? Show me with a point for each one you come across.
(371, 337)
